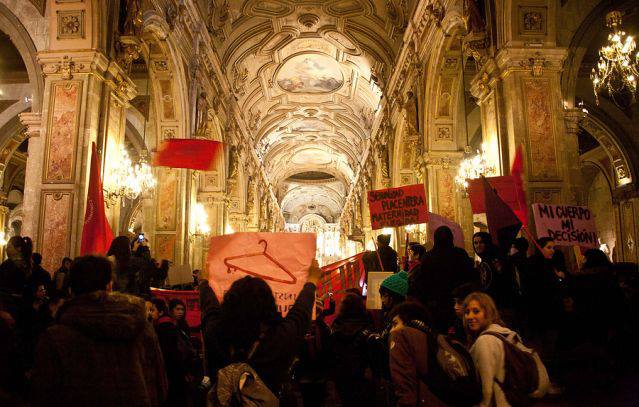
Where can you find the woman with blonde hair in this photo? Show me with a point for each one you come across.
(488, 336)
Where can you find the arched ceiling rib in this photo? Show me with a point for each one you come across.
(302, 73)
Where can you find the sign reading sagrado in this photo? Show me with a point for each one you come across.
(398, 206)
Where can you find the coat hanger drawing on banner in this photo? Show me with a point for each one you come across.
(230, 267)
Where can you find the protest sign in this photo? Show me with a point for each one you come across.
(398, 206)
(375, 279)
(567, 225)
(435, 221)
(281, 259)
(190, 298)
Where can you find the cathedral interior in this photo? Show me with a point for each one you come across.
(316, 102)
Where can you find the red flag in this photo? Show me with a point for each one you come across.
(502, 221)
(188, 153)
(517, 172)
(504, 186)
(96, 233)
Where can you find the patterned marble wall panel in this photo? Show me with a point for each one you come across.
(446, 193)
(62, 127)
(165, 247)
(444, 97)
(629, 235)
(167, 205)
(55, 224)
(541, 131)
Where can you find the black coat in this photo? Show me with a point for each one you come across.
(442, 270)
(13, 277)
(275, 354)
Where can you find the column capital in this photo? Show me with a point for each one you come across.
(33, 122)
(534, 60)
(66, 64)
(572, 118)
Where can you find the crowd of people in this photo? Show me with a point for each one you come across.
(452, 330)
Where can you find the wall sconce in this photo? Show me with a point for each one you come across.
(3, 239)
(199, 222)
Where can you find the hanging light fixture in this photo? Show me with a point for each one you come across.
(199, 221)
(616, 72)
(473, 165)
(129, 180)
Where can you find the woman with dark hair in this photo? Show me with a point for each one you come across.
(416, 253)
(15, 271)
(177, 309)
(128, 272)
(248, 318)
(348, 352)
(61, 276)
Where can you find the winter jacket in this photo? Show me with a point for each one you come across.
(175, 367)
(13, 276)
(274, 356)
(102, 352)
(349, 360)
(441, 271)
(490, 361)
(409, 367)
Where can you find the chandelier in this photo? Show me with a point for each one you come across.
(199, 221)
(616, 72)
(473, 167)
(129, 180)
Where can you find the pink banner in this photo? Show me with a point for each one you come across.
(568, 225)
(281, 259)
(436, 221)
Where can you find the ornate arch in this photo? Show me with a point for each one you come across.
(23, 42)
(622, 169)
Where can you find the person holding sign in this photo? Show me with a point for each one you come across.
(248, 318)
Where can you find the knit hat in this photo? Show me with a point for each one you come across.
(397, 283)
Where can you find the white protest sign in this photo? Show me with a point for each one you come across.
(568, 225)
(281, 259)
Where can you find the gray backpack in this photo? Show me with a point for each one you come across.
(238, 385)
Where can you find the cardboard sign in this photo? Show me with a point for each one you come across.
(375, 279)
(435, 221)
(281, 259)
(567, 225)
(504, 185)
(398, 206)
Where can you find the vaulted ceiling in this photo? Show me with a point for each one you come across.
(307, 76)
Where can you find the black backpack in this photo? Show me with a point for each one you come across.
(452, 376)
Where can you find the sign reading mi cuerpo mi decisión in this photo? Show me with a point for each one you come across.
(398, 206)
(568, 225)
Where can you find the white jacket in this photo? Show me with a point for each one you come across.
(489, 357)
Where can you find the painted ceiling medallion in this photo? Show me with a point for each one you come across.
(310, 73)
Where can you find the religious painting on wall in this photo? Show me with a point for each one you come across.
(55, 226)
(63, 128)
(310, 73)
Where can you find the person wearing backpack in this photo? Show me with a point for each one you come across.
(245, 336)
(511, 374)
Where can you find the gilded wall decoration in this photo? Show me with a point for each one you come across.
(444, 133)
(64, 115)
(541, 134)
(55, 221)
(310, 73)
(532, 20)
(70, 24)
(546, 196)
(446, 194)
(443, 101)
(629, 234)
(168, 108)
(165, 247)
(167, 200)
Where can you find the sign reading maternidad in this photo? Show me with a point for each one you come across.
(568, 225)
(398, 206)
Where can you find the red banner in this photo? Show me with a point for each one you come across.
(504, 185)
(188, 153)
(96, 232)
(340, 276)
(398, 206)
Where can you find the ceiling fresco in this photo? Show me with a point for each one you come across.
(307, 75)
